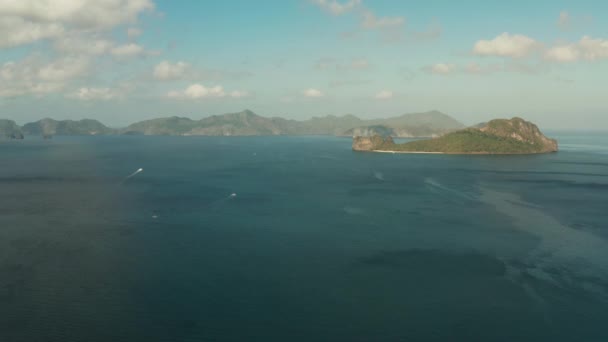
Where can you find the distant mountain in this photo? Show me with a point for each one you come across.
(244, 123)
(248, 123)
(50, 127)
(10, 130)
(500, 136)
(161, 126)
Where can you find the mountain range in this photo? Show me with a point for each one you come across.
(248, 123)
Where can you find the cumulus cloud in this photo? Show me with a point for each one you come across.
(15, 31)
(563, 53)
(90, 94)
(506, 45)
(311, 92)
(368, 19)
(336, 7)
(34, 18)
(34, 75)
(127, 50)
(371, 21)
(587, 48)
(166, 71)
(76, 44)
(384, 95)
(78, 32)
(199, 91)
(593, 49)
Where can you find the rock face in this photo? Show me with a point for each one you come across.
(500, 136)
(372, 143)
(520, 130)
(10, 130)
(370, 131)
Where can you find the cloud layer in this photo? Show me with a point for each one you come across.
(506, 45)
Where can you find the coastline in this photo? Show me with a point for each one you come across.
(458, 153)
(407, 152)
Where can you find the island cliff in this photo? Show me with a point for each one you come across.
(500, 136)
(10, 130)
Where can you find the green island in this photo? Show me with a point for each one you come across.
(499, 136)
(10, 130)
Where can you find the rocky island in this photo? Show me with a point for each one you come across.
(500, 136)
(10, 130)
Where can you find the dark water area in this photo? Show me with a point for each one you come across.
(300, 239)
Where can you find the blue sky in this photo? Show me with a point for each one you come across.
(121, 61)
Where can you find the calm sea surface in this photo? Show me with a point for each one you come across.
(300, 239)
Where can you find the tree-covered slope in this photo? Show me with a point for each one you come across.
(499, 136)
(66, 127)
(10, 130)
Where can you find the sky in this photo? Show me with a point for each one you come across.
(121, 61)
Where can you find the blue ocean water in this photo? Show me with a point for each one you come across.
(300, 239)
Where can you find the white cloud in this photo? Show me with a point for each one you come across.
(134, 32)
(90, 94)
(563, 53)
(442, 68)
(33, 75)
(587, 48)
(593, 49)
(127, 50)
(166, 71)
(64, 69)
(76, 44)
(506, 45)
(370, 21)
(385, 95)
(15, 31)
(78, 32)
(85, 15)
(311, 92)
(336, 7)
(199, 91)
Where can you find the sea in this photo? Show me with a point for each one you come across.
(300, 239)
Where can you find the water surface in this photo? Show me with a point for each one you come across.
(319, 244)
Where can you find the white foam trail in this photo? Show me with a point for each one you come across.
(133, 174)
(221, 202)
